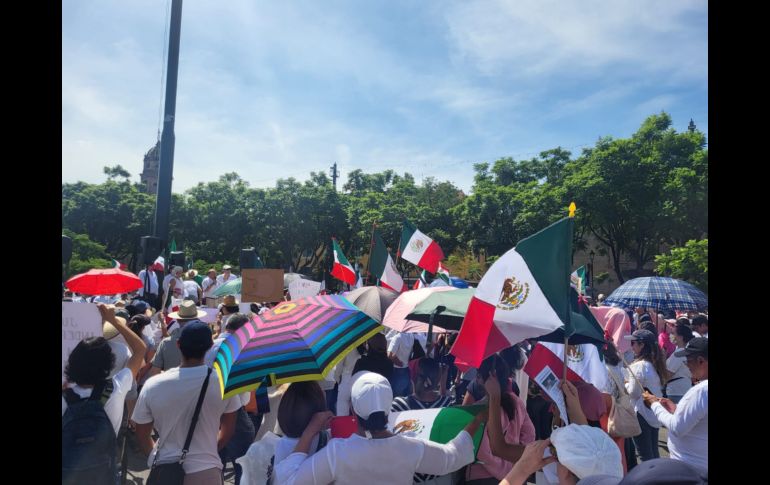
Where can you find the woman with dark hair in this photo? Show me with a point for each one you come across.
(89, 365)
(300, 402)
(426, 393)
(681, 380)
(514, 423)
(372, 454)
(649, 372)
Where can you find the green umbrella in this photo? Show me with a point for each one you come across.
(232, 287)
(455, 305)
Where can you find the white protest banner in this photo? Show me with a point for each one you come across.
(78, 321)
(300, 288)
(211, 314)
(245, 307)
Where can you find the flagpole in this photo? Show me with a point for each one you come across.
(567, 325)
(369, 260)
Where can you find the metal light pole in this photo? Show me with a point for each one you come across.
(166, 163)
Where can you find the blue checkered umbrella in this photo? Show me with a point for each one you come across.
(660, 293)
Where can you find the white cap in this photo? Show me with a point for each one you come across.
(370, 393)
(587, 451)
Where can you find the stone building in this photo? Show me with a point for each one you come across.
(149, 175)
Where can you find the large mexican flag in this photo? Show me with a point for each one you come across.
(342, 269)
(439, 425)
(419, 249)
(383, 267)
(525, 294)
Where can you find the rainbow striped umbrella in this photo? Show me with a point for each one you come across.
(299, 340)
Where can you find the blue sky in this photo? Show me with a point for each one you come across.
(278, 89)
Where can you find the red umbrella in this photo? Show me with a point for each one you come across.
(104, 282)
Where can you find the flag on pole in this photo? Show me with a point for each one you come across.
(443, 273)
(159, 264)
(382, 266)
(524, 294)
(342, 270)
(118, 265)
(419, 249)
(172, 246)
(578, 280)
(421, 281)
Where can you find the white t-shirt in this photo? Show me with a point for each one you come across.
(178, 286)
(221, 278)
(645, 372)
(688, 427)
(168, 400)
(678, 367)
(285, 446)
(114, 406)
(401, 344)
(209, 286)
(357, 460)
(153, 279)
(191, 289)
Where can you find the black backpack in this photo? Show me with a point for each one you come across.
(89, 444)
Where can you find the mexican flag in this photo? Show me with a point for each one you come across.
(342, 270)
(439, 425)
(524, 294)
(578, 280)
(443, 273)
(382, 266)
(419, 249)
(421, 281)
(118, 265)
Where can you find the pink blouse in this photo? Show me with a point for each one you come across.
(518, 431)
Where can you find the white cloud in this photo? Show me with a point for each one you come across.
(533, 38)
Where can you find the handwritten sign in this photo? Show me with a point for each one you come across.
(78, 321)
(300, 288)
(260, 285)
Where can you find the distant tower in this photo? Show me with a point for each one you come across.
(691, 126)
(334, 174)
(149, 175)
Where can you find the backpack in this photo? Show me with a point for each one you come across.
(89, 444)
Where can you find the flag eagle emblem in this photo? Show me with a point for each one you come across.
(513, 295)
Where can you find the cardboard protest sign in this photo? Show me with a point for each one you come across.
(258, 285)
(78, 321)
(211, 314)
(300, 288)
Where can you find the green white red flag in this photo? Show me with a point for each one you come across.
(443, 273)
(342, 269)
(524, 294)
(382, 266)
(118, 265)
(419, 249)
(578, 280)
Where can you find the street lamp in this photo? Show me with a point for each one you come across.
(591, 271)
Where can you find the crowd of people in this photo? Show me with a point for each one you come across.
(152, 370)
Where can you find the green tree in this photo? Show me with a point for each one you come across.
(116, 171)
(689, 263)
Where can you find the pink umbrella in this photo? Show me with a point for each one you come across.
(615, 322)
(395, 316)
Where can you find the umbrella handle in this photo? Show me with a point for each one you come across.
(433, 314)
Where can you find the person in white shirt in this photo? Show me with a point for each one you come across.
(226, 275)
(680, 380)
(647, 369)
(688, 421)
(150, 281)
(209, 286)
(373, 454)
(192, 289)
(173, 287)
(92, 361)
(399, 349)
(167, 403)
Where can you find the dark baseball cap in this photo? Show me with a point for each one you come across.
(696, 346)
(137, 307)
(653, 472)
(195, 335)
(641, 336)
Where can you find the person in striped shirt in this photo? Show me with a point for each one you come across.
(426, 396)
